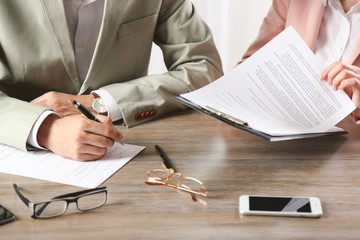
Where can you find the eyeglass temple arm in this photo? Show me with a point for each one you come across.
(22, 197)
(27, 202)
(193, 197)
(75, 194)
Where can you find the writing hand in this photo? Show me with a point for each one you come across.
(345, 77)
(77, 137)
(61, 103)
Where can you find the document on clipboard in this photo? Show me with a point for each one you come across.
(275, 94)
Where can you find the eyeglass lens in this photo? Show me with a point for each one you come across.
(58, 207)
(50, 209)
(191, 183)
(91, 201)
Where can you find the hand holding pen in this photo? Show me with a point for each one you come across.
(88, 114)
(77, 138)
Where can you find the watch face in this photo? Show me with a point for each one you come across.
(99, 106)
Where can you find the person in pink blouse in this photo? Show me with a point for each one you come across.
(330, 28)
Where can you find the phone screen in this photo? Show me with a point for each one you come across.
(279, 204)
(5, 215)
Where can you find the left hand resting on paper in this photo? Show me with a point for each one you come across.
(345, 77)
(61, 103)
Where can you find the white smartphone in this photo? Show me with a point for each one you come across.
(280, 206)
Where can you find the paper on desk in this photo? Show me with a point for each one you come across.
(277, 91)
(48, 166)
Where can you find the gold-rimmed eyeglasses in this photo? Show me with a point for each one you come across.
(170, 178)
(85, 200)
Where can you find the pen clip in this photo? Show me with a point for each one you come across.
(170, 170)
(224, 115)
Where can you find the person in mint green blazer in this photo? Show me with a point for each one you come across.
(44, 67)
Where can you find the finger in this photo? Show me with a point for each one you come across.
(88, 149)
(105, 129)
(108, 122)
(325, 72)
(86, 157)
(45, 98)
(336, 70)
(343, 75)
(90, 133)
(38, 101)
(352, 85)
(96, 140)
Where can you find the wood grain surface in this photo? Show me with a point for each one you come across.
(230, 162)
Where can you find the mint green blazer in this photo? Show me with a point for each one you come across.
(37, 56)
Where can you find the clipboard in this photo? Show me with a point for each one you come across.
(239, 124)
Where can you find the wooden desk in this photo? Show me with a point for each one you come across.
(230, 162)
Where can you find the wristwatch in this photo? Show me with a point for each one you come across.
(99, 106)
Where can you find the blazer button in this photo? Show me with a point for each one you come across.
(147, 114)
(138, 117)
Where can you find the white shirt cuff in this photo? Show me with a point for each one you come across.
(111, 106)
(32, 139)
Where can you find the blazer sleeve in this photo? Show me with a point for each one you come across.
(272, 25)
(190, 56)
(17, 117)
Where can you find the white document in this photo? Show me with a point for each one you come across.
(277, 91)
(48, 166)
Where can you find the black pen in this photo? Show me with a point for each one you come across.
(87, 113)
(165, 159)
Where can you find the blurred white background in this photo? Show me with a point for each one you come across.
(234, 23)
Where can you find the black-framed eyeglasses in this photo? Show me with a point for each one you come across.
(85, 200)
